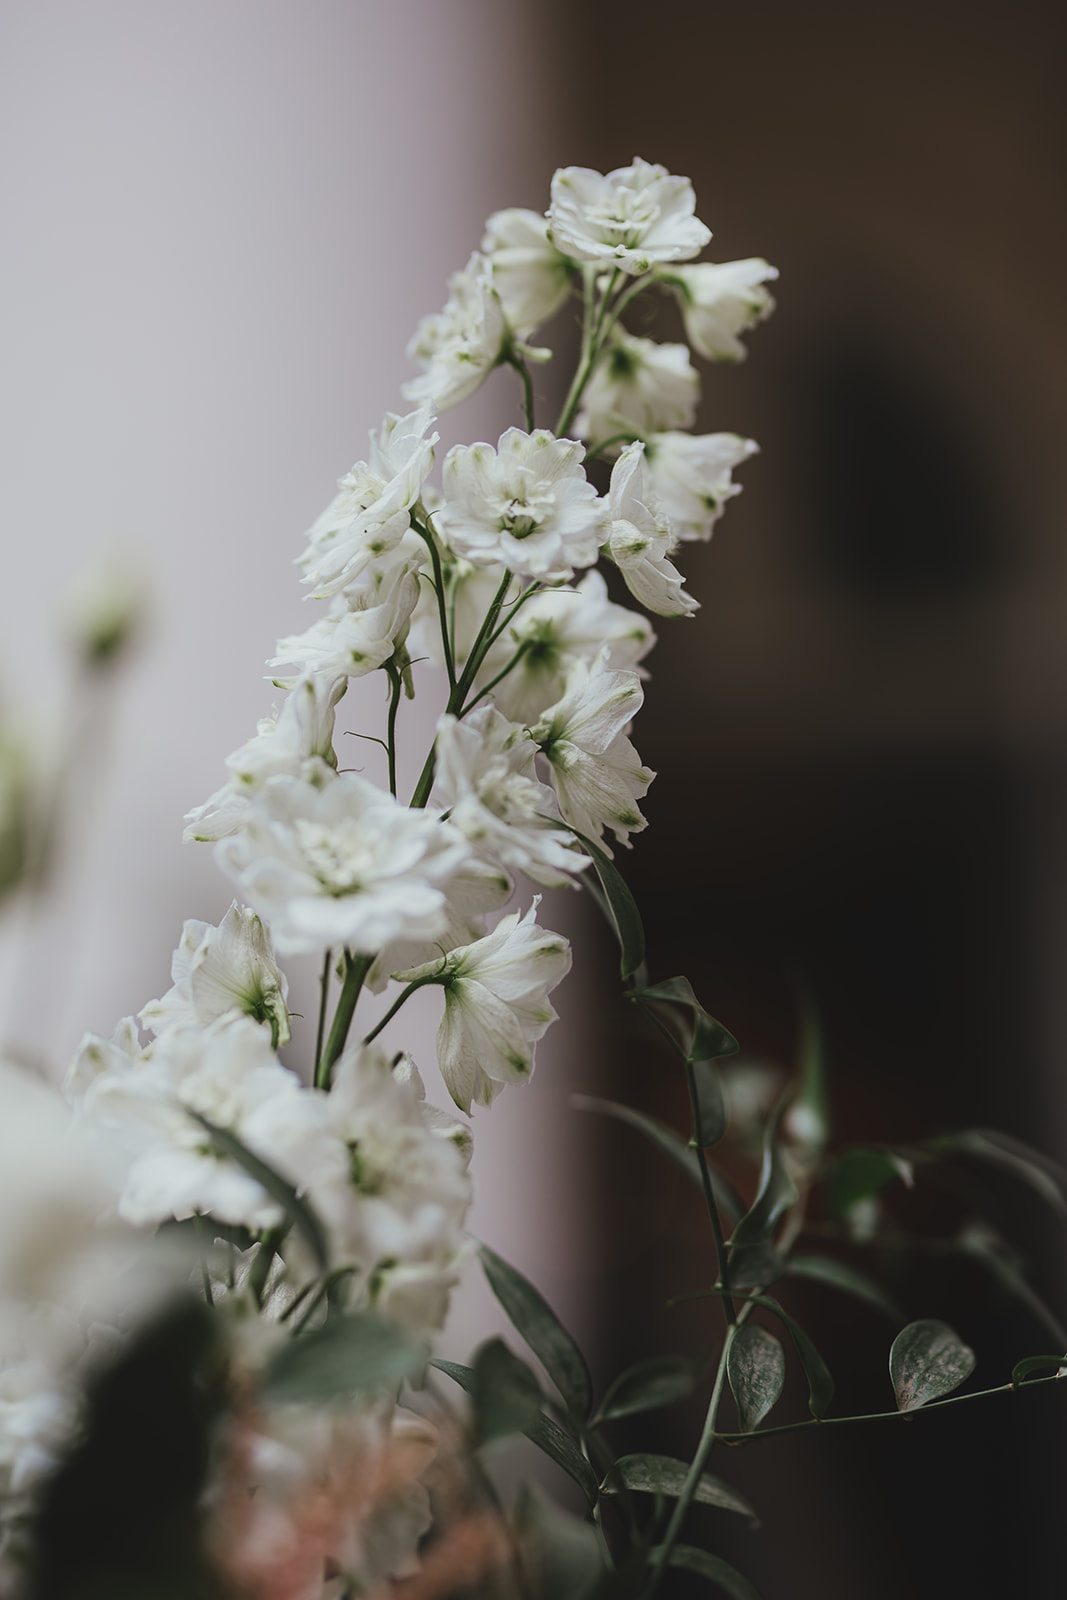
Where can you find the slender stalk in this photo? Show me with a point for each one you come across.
(405, 994)
(356, 969)
(396, 686)
(516, 361)
(491, 685)
(324, 995)
(428, 539)
(260, 1272)
(606, 444)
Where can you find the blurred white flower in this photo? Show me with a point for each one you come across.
(639, 539)
(640, 387)
(369, 515)
(473, 889)
(216, 971)
(284, 743)
(486, 781)
(460, 345)
(531, 277)
(341, 863)
(721, 300)
(496, 1005)
(691, 477)
(364, 625)
(527, 505)
(596, 771)
(630, 218)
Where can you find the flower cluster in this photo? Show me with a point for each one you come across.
(324, 1185)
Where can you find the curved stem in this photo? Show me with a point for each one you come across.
(591, 335)
(516, 361)
(408, 991)
(324, 992)
(491, 685)
(356, 969)
(428, 539)
(395, 686)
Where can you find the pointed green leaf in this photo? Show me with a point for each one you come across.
(659, 1381)
(820, 1383)
(667, 1140)
(839, 1275)
(689, 1559)
(652, 1474)
(294, 1205)
(533, 1317)
(859, 1174)
(756, 1266)
(625, 917)
(1044, 1176)
(505, 1395)
(776, 1193)
(928, 1360)
(559, 1553)
(755, 1367)
(1030, 1364)
(709, 1038)
(347, 1354)
(543, 1432)
(711, 1102)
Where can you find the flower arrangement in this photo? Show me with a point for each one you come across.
(257, 1257)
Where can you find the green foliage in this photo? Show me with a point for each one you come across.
(622, 912)
(646, 1386)
(820, 1382)
(928, 1360)
(1030, 1364)
(667, 1140)
(351, 1352)
(1047, 1178)
(534, 1319)
(559, 1554)
(505, 1395)
(711, 1104)
(708, 1039)
(297, 1211)
(652, 1474)
(858, 1175)
(840, 1275)
(755, 1367)
(715, 1569)
(776, 1193)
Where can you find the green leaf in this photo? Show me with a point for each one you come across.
(347, 1354)
(859, 1174)
(559, 1553)
(711, 1103)
(715, 1569)
(533, 1317)
(820, 1383)
(543, 1432)
(756, 1266)
(1022, 1369)
(659, 1381)
(505, 1395)
(985, 1245)
(928, 1360)
(709, 1038)
(809, 1114)
(652, 1474)
(296, 1208)
(625, 917)
(839, 1275)
(755, 1367)
(667, 1140)
(1044, 1176)
(776, 1193)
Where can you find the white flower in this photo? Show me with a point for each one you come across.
(282, 743)
(596, 771)
(630, 218)
(460, 345)
(496, 1005)
(639, 539)
(368, 516)
(364, 625)
(220, 970)
(527, 505)
(720, 300)
(691, 477)
(531, 277)
(485, 779)
(471, 891)
(556, 629)
(342, 864)
(639, 387)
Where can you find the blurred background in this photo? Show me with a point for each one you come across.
(222, 221)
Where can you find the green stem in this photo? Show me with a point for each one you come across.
(606, 444)
(260, 1272)
(356, 969)
(491, 685)
(396, 686)
(428, 539)
(324, 992)
(516, 361)
(591, 326)
(407, 992)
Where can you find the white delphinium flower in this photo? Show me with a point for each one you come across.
(369, 515)
(597, 773)
(364, 625)
(640, 539)
(531, 277)
(640, 387)
(341, 863)
(220, 970)
(460, 345)
(527, 505)
(691, 477)
(474, 889)
(392, 1190)
(556, 629)
(630, 218)
(720, 300)
(144, 1110)
(496, 1005)
(285, 742)
(486, 781)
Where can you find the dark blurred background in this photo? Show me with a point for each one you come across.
(862, 738)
